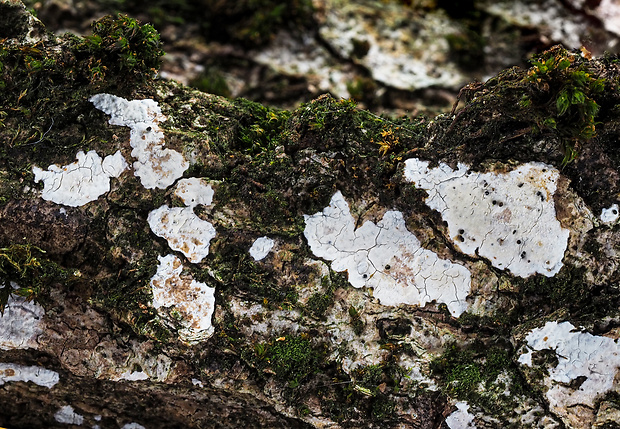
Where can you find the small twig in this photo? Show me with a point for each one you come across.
(42, 137)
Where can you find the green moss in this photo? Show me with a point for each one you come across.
(45, 115)
(127, 296)
(569, 88)
(238, 273)
(459, 370)
(292, 357)
(260, 128)
(211, 81)
(568, 290)
(471, 373)
(122, 44)
(383, 408)
(369, 377)
(31, 270)
(356, 320)
(320, 301)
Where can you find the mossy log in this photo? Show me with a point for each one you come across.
(367, 301)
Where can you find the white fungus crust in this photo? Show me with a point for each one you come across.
(183, 230)
(67, 415)
(611, 214)
(261, 248)
(156, 166)
(579, 354)
(194, 191)
(10, 372)
(386, 257)
(182, 300)
(20, 325)
(461, 419)
(81, 182)
(508, 218)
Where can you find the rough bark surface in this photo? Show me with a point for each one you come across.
(347, 200)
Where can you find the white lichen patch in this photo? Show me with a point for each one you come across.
(194, 191)
(67, 415)
(156, 166)
(182, 300)
(591, 359)
(386, 257)
(40, 376)
(81, 182)
(461, 419)
(508, 218)
(306, 56)
(134, 364)
(133, 426)
(611, 214)
(20, 325)
(261, 248)
(404, 49)
(183, 230)
(559, 24)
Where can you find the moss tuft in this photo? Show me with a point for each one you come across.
(121, 44)
(292, 358)
(29, 268)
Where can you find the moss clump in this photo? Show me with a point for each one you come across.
(292, 358)
(122, 44)
(559, 99)
(212, 81)
(567, 88)
(356, 320)
(568, 290)
(471, 373)
(46, 85)
(383, 408)
(260, 128)
(28, 267)
(369, 377)
(238, 273)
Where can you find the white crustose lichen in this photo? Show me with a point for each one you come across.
(386, 257)
(156, 166)
(508, 218)
(82, 181)
(181, 300)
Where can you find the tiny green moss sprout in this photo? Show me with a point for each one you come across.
(212, 81)
(27, 267)
(473, 373)
(262, 129)
(568, 86)
(291, 357)
(122, 42)
(356, 320)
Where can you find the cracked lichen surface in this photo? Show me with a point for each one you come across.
(21, 324)
(183, 230)
(40, 376)
(82, 181)
(508, 218)
(182, 300)
(156, 166)
(386, 257)
(595, 360)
